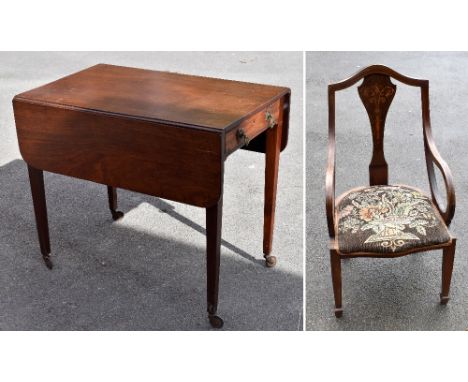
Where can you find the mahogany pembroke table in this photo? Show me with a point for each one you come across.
(158, 133)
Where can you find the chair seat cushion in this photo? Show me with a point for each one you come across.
(387, 219)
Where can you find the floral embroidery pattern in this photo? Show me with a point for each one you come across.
(393, 215)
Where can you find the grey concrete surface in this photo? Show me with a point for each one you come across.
(147, 272)
(386, 294)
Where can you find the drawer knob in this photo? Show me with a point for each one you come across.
(271, 121)
(242, 137)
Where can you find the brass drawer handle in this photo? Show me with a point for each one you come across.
(241, 136)
(271, 121)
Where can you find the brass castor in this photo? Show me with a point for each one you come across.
(216, 321)
(116, 215)
(338, 312)
(444, 299)
(48, 261)
(270, 261)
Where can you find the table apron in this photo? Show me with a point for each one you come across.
(177, 163)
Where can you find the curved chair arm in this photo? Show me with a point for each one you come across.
(330, 174)
(433, 157)
(330, 189)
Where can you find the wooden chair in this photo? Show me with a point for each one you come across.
(384, 220)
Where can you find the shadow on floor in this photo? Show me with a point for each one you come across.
(125, 275)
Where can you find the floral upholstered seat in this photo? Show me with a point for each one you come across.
(387, 219)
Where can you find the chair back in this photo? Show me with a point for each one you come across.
(377, 92)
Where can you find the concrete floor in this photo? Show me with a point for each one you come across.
(147, 272)
(386, 294)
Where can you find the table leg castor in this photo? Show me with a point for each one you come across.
(216, 321)
(48, 261)
(270, 261)
(338, 312)
(116, 215)
(444, 299)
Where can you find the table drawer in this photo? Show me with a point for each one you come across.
(251, 127)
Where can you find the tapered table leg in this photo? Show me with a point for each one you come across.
(273, 145)
(213, 249)
(112, 194)
(36, 179)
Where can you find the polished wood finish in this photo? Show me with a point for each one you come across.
(152, 158)
(36, 179)
(166, 97)
(448, 258)
(377, 92)
(335, 265)
(112, 195)
(158, 133)
(258, 144)
(273, 147)
(253, 126)
(214, 216)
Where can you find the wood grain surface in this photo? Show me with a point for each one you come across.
(158, 96)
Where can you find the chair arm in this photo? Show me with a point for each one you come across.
(330, 185)
(433, 157)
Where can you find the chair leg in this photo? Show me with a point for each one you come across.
(213, 249)
(112, 194)
(335, 261)
(447, 268)
(36, 179)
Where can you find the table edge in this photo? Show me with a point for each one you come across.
(226, 128)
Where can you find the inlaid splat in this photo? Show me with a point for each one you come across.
(376, 93)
